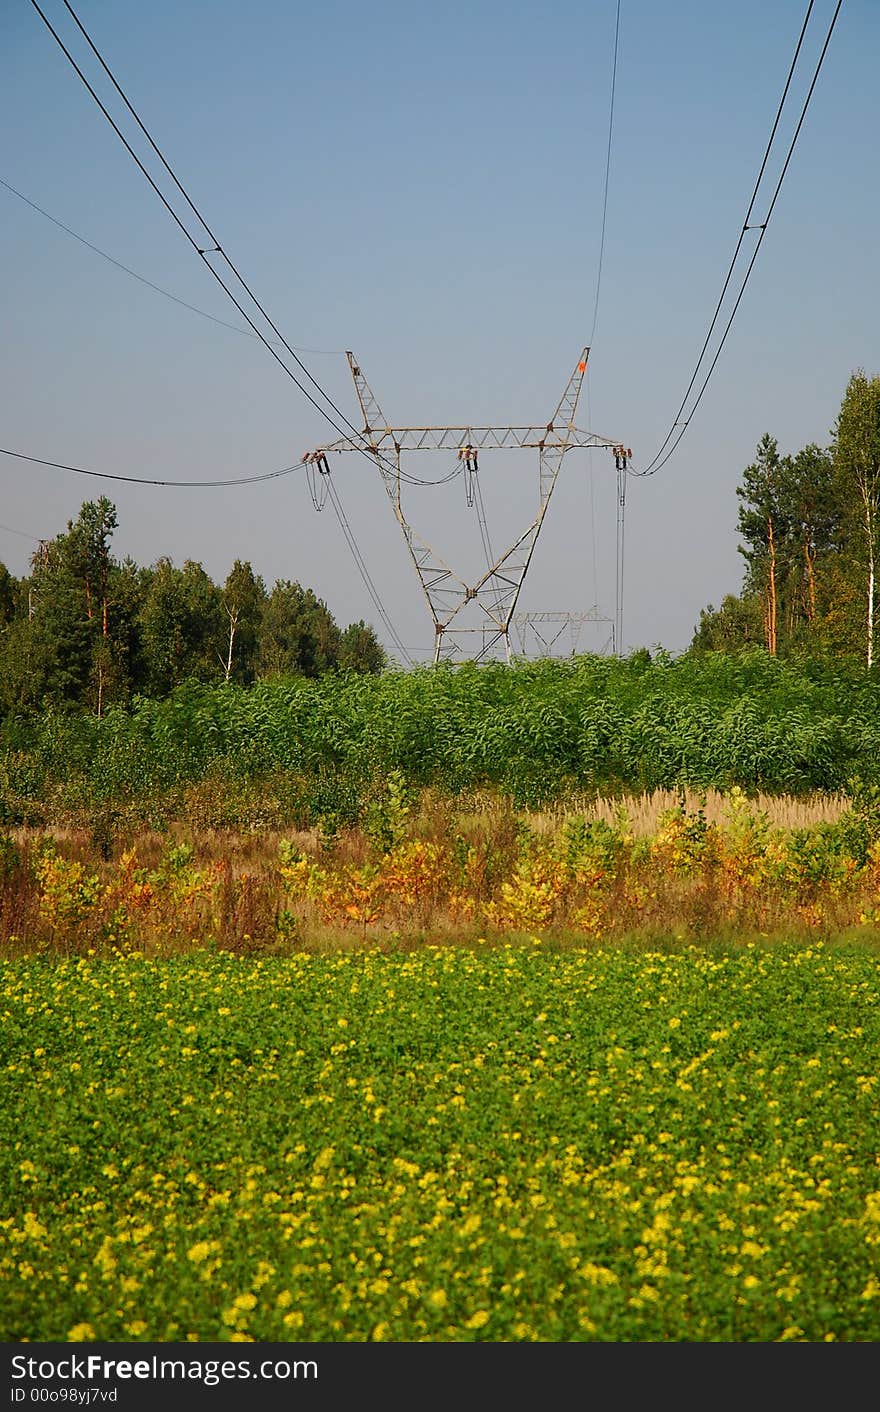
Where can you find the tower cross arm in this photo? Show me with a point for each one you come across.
(485, 438)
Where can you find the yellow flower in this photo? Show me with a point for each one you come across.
(479, 1320)
(237, 1312)
(597, 1274)
(751, 1247)
(81, 1333)
(32, 1227)
(201, 1250)
(437, 1298)
(872, 1206)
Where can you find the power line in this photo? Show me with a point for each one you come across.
(147, 480)
(216, 248)
(487, 543)
(739, 242)
(420, 480)
(22, 533)
(681, 426)
(243, 480)
(598, 288)
(143, 480)
(235, 328)
(362, 568)
(607, 174)
(202, 252)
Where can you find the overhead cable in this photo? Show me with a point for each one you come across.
(213, 246)
(217, 247)
(242, 480)
(592, 337)
(362, 568)
(23, 534)
(607, 174)
(236, 328)
(208, 249)
(126, 269)
(202, 252)
(149, 480)
(681, 426)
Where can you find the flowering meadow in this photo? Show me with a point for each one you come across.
(460, 1142)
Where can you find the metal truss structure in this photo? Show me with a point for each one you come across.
(549, 628)
(496, 591)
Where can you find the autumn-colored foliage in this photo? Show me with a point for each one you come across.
(449, 875)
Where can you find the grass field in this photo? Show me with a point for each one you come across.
(460, 1143)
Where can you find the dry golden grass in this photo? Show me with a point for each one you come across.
(644, 811)
(433, 817)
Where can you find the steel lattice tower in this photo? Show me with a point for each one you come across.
(496, 591)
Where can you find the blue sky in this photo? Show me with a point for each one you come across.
(422, 183)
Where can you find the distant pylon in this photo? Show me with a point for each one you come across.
(548, 629)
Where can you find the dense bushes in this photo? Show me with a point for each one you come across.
(536, 731)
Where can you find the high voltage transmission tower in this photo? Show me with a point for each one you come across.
(491, 597)
(547, 629)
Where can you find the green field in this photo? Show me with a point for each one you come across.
(496, 1143)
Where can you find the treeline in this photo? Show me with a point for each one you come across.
(86, 630)
(809, 529)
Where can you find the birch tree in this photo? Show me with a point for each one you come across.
(856, 453)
